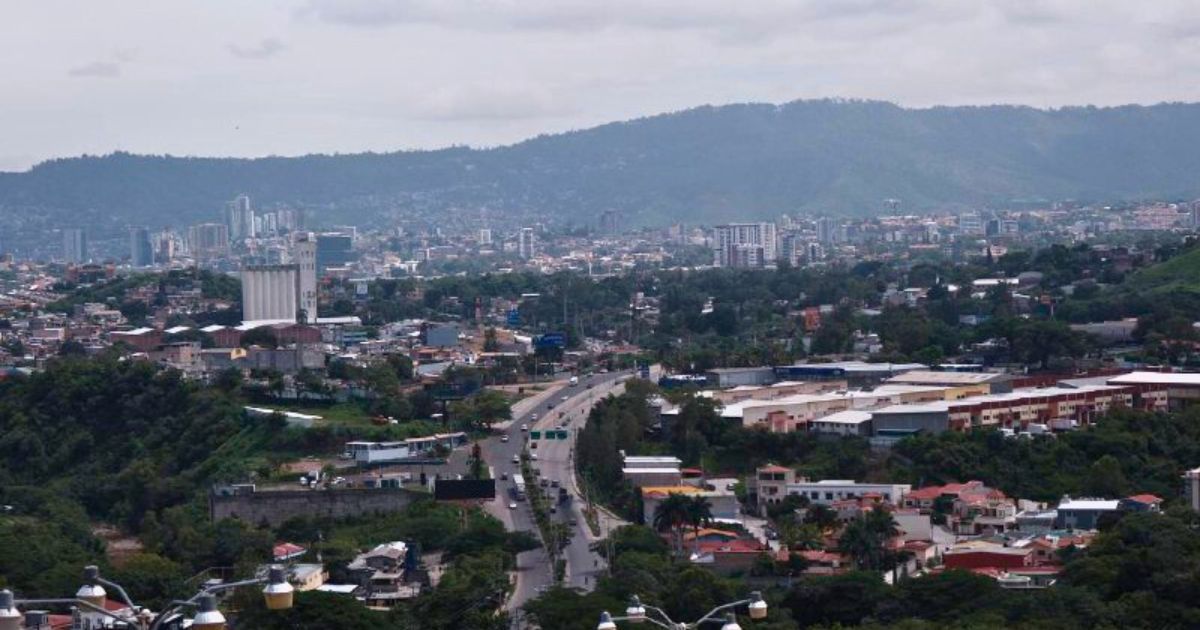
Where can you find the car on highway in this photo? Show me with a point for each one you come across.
(516, 459)
(524, 427)
(512, 505)
(533, 417)
(504, 438)
(533, 456)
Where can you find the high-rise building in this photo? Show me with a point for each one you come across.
(334, 249)
(141, 250)
(75, 245)
(485, 236)
(208, 240)
(970, 223)
(239, 218)
(610, 221)
(526, 246)
(827, 230)
(727, 238)
(282, 292)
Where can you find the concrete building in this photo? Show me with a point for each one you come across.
(485, 236)
(723, 503)
(282, 292)
(642, 471)
(856, 373)
(239, 219)
(1084, 513)
(961, 384)
(1192, 488)
(827, 491)
(1182, 389)
(1048, 408)
(334, 249)
(208, 240)
(526, 245)
(735, 377)
(75, 245)
(442, 336)
(745, 245)
(141, 250)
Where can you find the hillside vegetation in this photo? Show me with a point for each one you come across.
(702, 164)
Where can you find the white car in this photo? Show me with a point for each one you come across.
(524, 427)
(533, 456)
(516, 459)
(533, 416)
(504, 438)
(512, 505)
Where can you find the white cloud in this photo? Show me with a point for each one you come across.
(100, 69)
(348, 75)
(264, 49)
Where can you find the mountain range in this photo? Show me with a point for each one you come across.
(705, 164)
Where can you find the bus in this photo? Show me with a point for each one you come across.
(518, 487)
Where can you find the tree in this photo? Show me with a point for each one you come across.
(699, 513)
(671, 514)
(822, 516)
(1106, 479)
(865, 539)
(490, 343)
(311, 610)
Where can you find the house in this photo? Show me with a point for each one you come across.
(823, 562)
(770, 485)
(723, 504)
(981, 555)
(1084, 513)
(382, 573)
(644, 471)
(727, 557)
(826, 491)
(286, 551)
(1142, 503)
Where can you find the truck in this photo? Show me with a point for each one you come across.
(574, 381)
(518, 487)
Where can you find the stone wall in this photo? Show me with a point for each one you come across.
(276, 506)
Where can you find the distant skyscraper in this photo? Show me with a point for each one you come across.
(141, 250)
(75, 245)
(239, 218)
(610, 221)
(970, 223)
(526, 247)
(729, 239)
(334, 249)
(208, 240)
(827, 230)
(485, 236)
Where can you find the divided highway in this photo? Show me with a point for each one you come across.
(559, 404)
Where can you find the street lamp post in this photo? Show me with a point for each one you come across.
(637, 613)
(92, 597)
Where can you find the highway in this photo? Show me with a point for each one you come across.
(539, 412)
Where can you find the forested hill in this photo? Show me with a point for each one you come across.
(703, 164)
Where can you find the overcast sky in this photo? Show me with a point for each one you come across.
(261, 77)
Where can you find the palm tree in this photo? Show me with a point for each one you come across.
(865, 539)
(699, 513)
(858, 542)
(671, 514)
